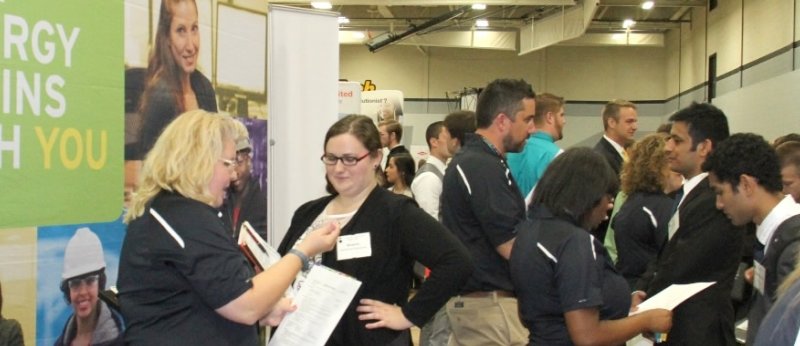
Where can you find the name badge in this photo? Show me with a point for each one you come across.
(759, 276)
(673, 225)
(353, 246)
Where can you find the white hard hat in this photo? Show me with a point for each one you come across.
(83, 255)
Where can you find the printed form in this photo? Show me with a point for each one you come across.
(321, 302)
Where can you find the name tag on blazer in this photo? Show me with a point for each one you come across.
(353, 246)
(759, 276)
(674, 224)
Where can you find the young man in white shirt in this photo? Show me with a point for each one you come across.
(745, 174)
(427, 184)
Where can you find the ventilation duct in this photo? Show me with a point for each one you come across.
(569, 24)
(387, 38)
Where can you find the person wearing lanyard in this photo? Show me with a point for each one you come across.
(745, 174)
(481, 205)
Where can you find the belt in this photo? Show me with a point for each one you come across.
(484, 294)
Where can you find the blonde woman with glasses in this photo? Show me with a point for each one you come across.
(182, 280)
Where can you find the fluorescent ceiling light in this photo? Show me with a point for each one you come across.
(482, 23)
(344, 20)
(478, 6)
(321, 5)
(628, 23)
(647, 5)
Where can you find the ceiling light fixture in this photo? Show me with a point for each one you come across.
(343, 20)
(321, 5)
(479, 7)
(482, 23)
(628, 23)
(359, 35)
(648, 5)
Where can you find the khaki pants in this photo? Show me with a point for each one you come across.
(437, 331)
(490, 320)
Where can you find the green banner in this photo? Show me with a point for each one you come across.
(61, 111)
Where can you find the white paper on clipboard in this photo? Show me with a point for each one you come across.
(321, 302)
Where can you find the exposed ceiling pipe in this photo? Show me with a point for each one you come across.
(388, 38)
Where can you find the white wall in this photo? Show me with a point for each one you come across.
(739, 32)
(577, 73)
(769, 108)
(767, 27)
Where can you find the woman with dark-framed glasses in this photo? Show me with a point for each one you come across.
(389, 231)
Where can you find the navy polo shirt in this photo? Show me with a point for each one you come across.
(481, 205)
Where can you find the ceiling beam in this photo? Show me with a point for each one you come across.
(679, 13)
(602, 13)
(660, 3)
(385, 12)
(441, 2)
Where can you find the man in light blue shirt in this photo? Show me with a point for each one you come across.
(529, 165)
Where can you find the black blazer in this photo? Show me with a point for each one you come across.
(612, 156)
(779, 261)
(400, 233)
(705, 247)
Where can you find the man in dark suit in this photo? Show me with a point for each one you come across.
(619, 125)
(702, 243)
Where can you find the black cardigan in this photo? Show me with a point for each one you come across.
(400, 233)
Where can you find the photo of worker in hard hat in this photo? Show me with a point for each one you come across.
(54, 248)
(83, 277)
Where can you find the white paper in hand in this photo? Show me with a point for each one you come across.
(672, 296)
(321, 302)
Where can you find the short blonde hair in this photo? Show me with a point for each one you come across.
(183, 158)
(611, 110)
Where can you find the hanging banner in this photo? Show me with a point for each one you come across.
(61, 112)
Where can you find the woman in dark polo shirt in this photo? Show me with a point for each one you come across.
(568, 290)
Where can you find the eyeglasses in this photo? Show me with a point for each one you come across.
(229, 164)
(86, 280)
(330, 159)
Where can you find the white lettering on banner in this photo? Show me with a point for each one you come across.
(44, 43)
(16, 35)
(27, 90)
(11, 146)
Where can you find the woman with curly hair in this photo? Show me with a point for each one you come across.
(640, 226)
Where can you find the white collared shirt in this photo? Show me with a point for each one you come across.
(785, 209)
(427, 188)
(690, 184)
(620, 150)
